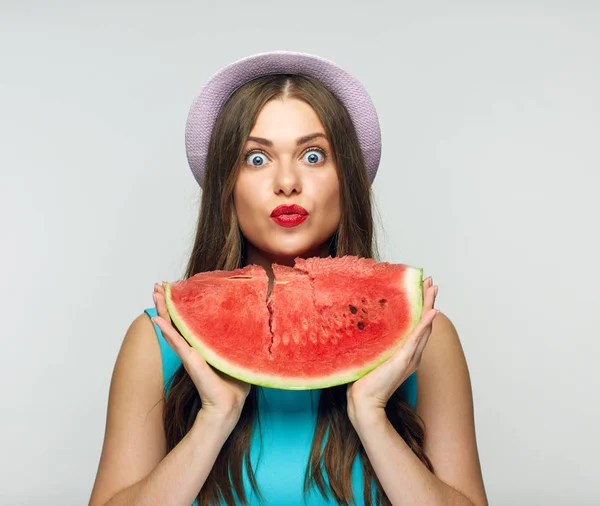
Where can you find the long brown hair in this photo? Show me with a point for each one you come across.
(219, 244)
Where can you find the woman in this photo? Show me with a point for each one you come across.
(277, 129)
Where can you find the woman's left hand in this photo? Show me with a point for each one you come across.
(369, 395)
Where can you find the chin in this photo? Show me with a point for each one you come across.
(291, 253)
(285, 253)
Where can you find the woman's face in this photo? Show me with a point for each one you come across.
(287, 162)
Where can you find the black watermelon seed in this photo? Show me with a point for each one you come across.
(352, 309)
(363, 310)
(382, 301)
(360, 325)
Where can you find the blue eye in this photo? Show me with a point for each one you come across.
(256, 159)
(313, 156)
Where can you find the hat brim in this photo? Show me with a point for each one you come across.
(218, 89)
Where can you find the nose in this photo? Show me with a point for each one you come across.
(287, 178)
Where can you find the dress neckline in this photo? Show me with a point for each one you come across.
(275, 399)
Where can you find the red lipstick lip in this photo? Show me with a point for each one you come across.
(289, 209)
(289, 220)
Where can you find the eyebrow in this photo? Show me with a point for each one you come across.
(299, 142)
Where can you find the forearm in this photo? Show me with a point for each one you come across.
(404, 478)
(178, 478)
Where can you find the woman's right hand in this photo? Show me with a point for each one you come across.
(221, 395)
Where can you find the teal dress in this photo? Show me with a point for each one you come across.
(288, 419)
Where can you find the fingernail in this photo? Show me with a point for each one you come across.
(154, 298)
(435, 292)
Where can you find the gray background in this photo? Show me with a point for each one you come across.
(489, 181)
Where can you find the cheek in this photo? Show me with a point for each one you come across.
(242, 194)
(330, 197)
(249, 206)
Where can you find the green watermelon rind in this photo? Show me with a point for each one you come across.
(413, 287)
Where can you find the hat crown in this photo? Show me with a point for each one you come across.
(217, 90)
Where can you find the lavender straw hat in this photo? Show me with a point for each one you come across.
(225, 82)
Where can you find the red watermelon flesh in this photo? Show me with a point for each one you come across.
(328, 321)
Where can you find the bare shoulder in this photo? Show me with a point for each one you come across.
(444, 339)
(138, 368)
(134, 439)
(141, 341)
(445, 403)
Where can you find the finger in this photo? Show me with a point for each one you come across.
(402, 363)
(173, 338)
(155, 298)
(412, 354)
(163, 289)
(192, 360)
(429, 299)
(424, 338)
(412, 341)
(159, 290)
(416, 359)
(171, 334)
(427, 282)
(161, 308)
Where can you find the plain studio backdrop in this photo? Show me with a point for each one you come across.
(489, 180)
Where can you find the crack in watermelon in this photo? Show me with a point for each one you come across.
(270, 309)
(313, 293)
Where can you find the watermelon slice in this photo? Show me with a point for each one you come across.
(327, 321)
